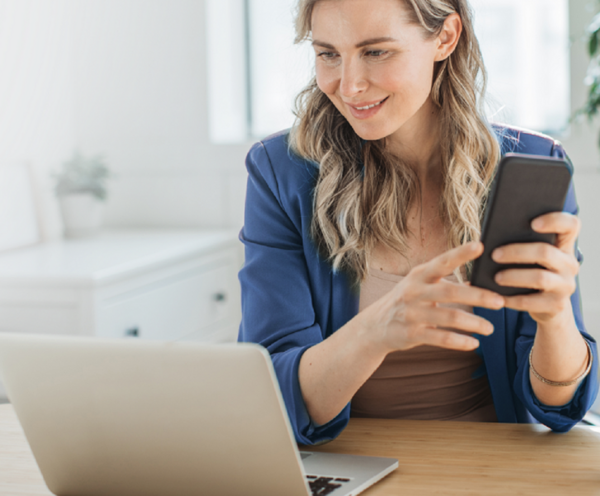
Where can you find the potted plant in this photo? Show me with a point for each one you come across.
(81, 191)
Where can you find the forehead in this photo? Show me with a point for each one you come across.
(341, 22)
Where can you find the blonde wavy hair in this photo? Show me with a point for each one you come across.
(363, 193)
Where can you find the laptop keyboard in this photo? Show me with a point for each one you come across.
(320, 486)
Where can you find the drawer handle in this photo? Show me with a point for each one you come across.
(134, 332)
(219, 297)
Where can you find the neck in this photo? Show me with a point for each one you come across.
(417, 142)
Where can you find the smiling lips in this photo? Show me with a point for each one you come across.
(366, 109)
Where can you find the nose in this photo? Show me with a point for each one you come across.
(353, 80)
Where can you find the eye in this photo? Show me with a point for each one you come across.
(376, 53)
(327, 55)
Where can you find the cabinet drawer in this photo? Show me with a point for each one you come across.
(173, 308)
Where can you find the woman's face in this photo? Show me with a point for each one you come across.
(375, 66)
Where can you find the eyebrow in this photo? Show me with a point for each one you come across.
(370, 41)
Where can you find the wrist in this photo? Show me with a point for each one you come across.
(370, 342)
(576, 380)
(560, 323)
(559, 353)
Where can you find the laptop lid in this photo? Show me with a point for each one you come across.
(127, 417)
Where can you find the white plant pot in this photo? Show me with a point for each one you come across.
(82, 214)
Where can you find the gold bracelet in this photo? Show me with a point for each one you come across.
(569, 383)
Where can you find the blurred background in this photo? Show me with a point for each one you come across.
(174, 92)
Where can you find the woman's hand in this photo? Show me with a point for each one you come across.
(559, 353)
(556, 281)
(331, 371)
(410, 316)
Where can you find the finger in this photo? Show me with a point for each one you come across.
(445, 264)
(535, 303)
(541, 279)
(450, 292)
(544, 254)
(460, 320)
(557, 222)
(565, 225)
(448, 339)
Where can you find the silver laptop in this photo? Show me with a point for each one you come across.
(127, 417)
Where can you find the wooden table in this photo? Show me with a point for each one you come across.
(435, 458)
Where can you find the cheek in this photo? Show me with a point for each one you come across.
(410, 82)
(326, 80)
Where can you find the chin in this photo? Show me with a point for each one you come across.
(372, 133)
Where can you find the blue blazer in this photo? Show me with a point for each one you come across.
(292, 299)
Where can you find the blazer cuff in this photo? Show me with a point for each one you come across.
(306, 431)
(563, 417)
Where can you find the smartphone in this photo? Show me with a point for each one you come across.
(525, 187)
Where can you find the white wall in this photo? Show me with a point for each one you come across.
(36, 108)
(125, 78)
(140, 98)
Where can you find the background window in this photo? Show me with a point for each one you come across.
(278, 68)
(525, 45)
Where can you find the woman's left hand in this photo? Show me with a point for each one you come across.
(556, 281)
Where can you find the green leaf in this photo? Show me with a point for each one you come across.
(593, 43)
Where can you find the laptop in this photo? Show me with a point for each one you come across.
(128, 417)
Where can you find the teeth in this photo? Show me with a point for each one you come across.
(369, 106)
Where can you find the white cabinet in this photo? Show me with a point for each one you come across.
(148, 284)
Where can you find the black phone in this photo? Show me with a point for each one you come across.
(525, 187)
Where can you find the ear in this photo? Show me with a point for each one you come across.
(448, 37)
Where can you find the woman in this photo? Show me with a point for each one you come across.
(362, 224)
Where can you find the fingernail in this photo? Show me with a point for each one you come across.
(499, 277)
(537, 224)
(497, 254)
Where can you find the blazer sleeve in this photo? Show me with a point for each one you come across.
(558, 418)
(277, 301)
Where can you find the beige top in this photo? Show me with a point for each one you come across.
(423, 383)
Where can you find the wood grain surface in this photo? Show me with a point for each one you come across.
(436, 458)
(19, 474)
(476, 458)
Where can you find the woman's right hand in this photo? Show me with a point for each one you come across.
(410, 314)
